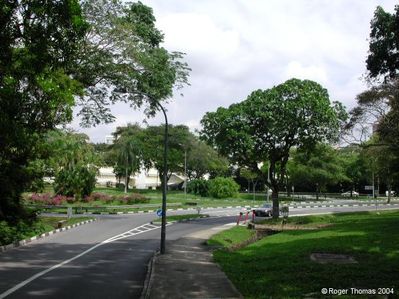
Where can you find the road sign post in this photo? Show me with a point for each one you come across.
(69, 212)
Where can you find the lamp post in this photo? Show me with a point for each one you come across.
(164, 179)
(185, 173)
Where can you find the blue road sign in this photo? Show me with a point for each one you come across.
(159, 212)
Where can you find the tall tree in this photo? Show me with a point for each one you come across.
(127, 150)
(121, 60)
(317, 168)
(382, 162)
(355, 168)
(38, 48)
(380, 104)
(383, 59)
(269, 123)
(179, 140)
(203, 159)
(72, 161)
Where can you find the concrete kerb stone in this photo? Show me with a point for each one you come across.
(43, 235)
(149, 277)
(150, 282)
(294, 206)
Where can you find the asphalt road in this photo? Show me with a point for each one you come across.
(73, 264)
(104, 259)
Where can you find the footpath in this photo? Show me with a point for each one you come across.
(187, 271)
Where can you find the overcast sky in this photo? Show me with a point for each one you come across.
(237, 46)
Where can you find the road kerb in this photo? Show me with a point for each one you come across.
(149, 277)
(4, 248)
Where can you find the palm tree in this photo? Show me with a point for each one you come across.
(127, 148)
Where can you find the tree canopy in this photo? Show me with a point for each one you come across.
(58, 54)
(121, 60)
(317, 168)
(38, 49)
(383, 59)
(264, 127)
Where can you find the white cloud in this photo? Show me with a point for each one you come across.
(312, 72)
(237, 46)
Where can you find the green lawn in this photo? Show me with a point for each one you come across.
(279, 266)
(10, 234)
(175, 200)
(235, 235)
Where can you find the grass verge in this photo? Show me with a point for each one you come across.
(20, 231)
(279, 266)
(231, 237)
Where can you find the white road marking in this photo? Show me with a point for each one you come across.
(133, 232)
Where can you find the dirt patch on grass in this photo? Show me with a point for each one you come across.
(325, 258)
(288, 226)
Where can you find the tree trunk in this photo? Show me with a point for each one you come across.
(276, 207)
(317, 192)
(126, 177)
(289, 190)
(254, 189)
(275, 188)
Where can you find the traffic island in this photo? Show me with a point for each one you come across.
(180, 218)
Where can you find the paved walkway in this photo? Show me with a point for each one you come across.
(187, 271)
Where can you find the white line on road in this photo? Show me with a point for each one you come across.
(129, 233)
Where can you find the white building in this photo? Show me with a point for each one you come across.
(142, 180)
(109, 139)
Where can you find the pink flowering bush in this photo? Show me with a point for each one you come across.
(48, 199)
(44, 199)
(56, 200)
(133, 198)
(97, 196)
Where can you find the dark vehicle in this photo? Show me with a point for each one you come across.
(266, 210)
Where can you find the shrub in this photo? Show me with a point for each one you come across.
(78, 182)
(60, 199)
(48, 199)
(223, 187)
(198, 187)
(133, 198)
(45, 199)
(120, 186)
(23, 229)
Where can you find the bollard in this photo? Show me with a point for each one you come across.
(239, 218)
(246, 218)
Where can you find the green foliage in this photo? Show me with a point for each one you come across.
(287, 271)
(223, 187)
(78, 182)
(19, 231)
(265, 126)
(71, 160)
(122, 60)
(127, 152)
(382, 160)
(316, 169)
(198, 187)
(383, 60)
(38, 50)
(203, 159)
